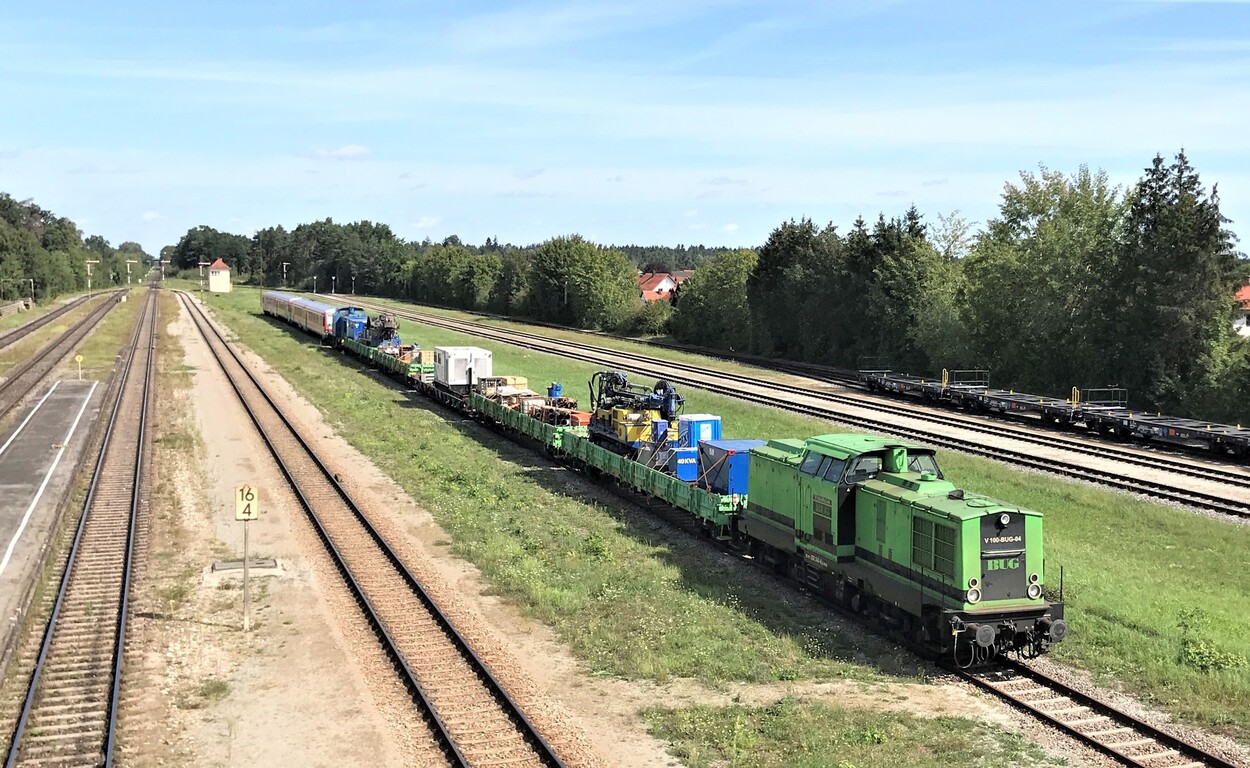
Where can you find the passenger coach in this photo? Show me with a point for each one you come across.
(312, 316)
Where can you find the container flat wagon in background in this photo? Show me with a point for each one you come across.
(1104, 410)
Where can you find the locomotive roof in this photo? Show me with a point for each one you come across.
(936, 497)
(842, 446)
(839, 446)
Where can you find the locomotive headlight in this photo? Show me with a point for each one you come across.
(1032, 578)
(1004, 519)
(974, 582)
(1035, 591)
(973, 595)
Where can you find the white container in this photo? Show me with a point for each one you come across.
(459, 368)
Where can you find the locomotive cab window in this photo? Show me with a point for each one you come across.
(833, 470)
(863, 468)
(923, 462)
(811, 463)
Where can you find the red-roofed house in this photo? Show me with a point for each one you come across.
(1242, 326)
(654, 286)
(219, 277)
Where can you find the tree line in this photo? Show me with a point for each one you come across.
(565, 280)
(48, 253)
(1075, 282)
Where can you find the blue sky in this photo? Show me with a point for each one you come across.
(644, 122)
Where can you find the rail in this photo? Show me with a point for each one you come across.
(25, 375)
(737, 386)
(90, 576)
(1124, 737)
(21, 332)
(542, 752)
(1100, 725)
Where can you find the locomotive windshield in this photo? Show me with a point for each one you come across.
(923, 462)
(863, 468)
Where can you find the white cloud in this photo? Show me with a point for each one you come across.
(425, 222)
(345, 152)
(729, 229)
(690, 214)
(149, 216)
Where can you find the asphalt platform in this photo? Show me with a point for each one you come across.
(39, 450)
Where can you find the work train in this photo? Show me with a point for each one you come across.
(867, 522)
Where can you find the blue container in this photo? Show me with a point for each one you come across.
(555, 390)
(724, 465)
(684, 464)
(694, 428)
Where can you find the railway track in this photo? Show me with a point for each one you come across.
(472, 718)
(21, 332)
(1097, 724)
(850, 380)
(69, 714)
(762, 391)
(1102, 726)
(1175, 464)
(24, 376)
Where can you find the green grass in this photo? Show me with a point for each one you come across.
(101, 348)
(603, 340)
(602, 576)
(41, 308)
(22, 318)
(28, 346)
(1131, 566)
(795, 734)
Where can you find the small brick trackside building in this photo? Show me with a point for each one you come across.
(219, 277)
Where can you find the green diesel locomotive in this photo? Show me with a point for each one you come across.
(871, 524)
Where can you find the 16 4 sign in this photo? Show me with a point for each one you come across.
(247, 503)
(246, 508)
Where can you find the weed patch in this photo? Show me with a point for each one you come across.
(795, 734)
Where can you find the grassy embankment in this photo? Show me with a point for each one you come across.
(41, 308)
(33, 342)
(658, 352)
(101, 350)
(1132, 567)
(629, 597)
(788, 734)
